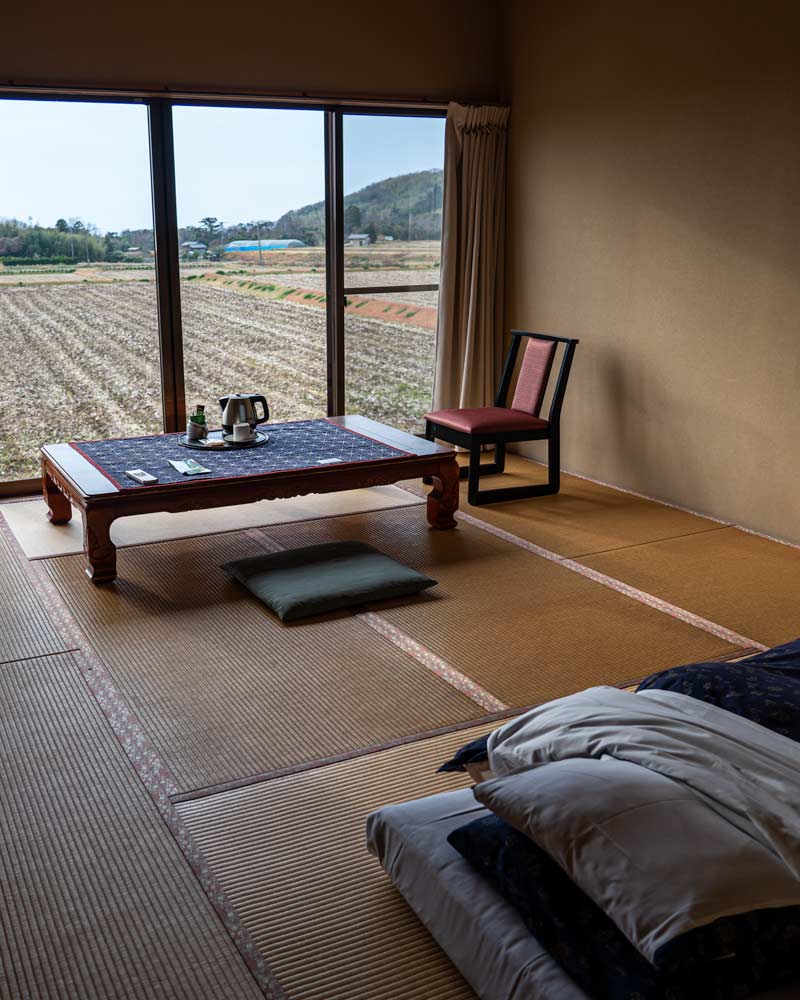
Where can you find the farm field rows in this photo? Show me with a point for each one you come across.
(81, 361)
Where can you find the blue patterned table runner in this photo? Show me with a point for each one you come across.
(301, 444)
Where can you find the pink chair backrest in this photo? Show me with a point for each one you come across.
(533, 375)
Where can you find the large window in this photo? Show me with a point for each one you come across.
(78, 314)
(158, 254)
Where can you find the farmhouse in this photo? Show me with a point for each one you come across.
(416, 621)
(194, 247)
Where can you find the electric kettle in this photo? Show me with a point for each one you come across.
(240, 408)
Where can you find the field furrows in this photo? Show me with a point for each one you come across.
(81, 361)
(235, 342)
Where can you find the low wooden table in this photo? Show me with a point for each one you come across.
(70, 478)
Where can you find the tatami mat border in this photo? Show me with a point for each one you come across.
(416, 650)
(313, 765)
(432, 661)
(499, 716)
(154, 775)
(689, 617)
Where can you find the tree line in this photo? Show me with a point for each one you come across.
(67, 241)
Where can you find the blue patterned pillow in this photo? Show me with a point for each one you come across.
(764, 688)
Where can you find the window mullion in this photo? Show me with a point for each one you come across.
(334, 254)
(165, 220)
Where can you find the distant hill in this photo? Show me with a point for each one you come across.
(408, 207)
(405, 207)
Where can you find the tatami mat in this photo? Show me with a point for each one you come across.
(743, 581)
(98, 901)
(222, 687)
(25, 629)
(584, 517)
(39, 539)
(523, 627)
(290, 853)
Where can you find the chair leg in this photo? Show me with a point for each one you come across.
(474, 473)
(554, 462)
(489, 468)
(553, 484)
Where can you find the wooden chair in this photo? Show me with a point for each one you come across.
(499, 425)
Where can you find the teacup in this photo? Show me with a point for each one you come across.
(195, 431)
(242, 432)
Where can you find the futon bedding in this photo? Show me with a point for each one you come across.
(650, 841)
(741, 956)
(483, 934)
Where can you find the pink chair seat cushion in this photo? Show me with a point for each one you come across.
(486, 420)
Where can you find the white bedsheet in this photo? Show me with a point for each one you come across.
(481, 933)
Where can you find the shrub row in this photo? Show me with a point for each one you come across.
(30, 261)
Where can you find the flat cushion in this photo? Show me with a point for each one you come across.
(316, 579)
(486, 420)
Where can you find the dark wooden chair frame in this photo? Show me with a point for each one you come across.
(475, 443)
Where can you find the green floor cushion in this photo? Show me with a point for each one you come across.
(298, 583)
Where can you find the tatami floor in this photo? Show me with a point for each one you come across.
(185, 780)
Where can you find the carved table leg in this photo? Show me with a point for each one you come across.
(59, 509)
(100, 550)
(443, 498)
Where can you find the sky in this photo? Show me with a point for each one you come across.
(63, 159)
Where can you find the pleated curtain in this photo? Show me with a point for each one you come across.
(469, 328)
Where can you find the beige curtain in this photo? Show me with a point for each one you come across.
(469, 329)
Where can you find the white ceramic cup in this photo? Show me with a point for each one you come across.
(242, 432)
(195, 432)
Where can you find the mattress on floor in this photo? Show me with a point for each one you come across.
(482, 934)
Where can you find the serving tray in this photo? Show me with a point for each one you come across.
(259, 439)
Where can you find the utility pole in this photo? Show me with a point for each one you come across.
(258, 237)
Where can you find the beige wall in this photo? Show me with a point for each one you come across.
(655, 214)
(415, 49)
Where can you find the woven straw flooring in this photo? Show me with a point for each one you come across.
(743, 581)
(222, 687)
(290, 854)
(25, 629)
(98, 901)
(584, 517)
(523, 627)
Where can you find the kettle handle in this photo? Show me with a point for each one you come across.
(263, 401)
